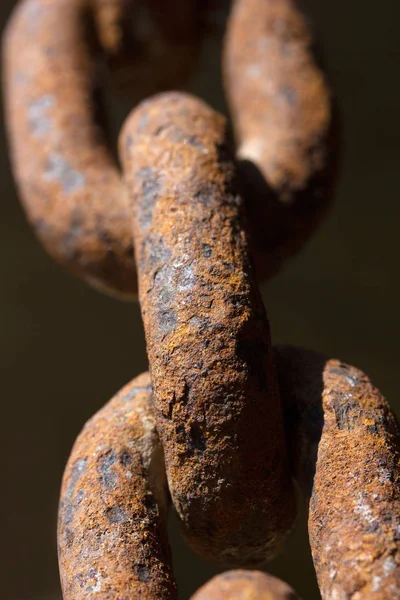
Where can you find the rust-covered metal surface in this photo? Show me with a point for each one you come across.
(70, 186)
(216, 419)
(245, 585)
(218, 411)
(112, 520)
(284, 123)
(345, 452)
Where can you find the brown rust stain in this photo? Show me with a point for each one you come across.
(245, 585)
(345, 451)
(285, 125)
(218, 411)
(280, 104)
(112, 531)
(60, 157)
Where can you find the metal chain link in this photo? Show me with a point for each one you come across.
(225, 421)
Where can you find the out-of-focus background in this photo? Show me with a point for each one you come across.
(65, 349)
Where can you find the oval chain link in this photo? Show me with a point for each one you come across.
(223, 422)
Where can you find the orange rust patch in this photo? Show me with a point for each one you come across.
(218, 411)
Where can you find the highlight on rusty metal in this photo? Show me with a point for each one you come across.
(207, 333)
(216, 420)
(345, 451)
(245, 585)
(70, 185)
(112, 531)
(285, 125)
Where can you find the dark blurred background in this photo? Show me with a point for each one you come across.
(65, 349)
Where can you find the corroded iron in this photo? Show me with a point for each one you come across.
(70, 186)
(112, 528)
(245, 585)
(207, 333)
(285, 125)
(345, 451)
(216, 420)
(112, 531)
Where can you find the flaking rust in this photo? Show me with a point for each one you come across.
(345, 450)
(245, 585)
(112, 531)
(218, 411)
(70, 186)
(285, 125)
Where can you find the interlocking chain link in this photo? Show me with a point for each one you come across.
(208, 342)
(224, 422)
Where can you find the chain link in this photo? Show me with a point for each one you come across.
(224, 422)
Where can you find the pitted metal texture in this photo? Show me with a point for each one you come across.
(207, 333)
(223, 423)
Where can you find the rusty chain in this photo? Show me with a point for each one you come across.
(225, 423)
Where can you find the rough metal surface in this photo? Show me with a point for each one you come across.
(112, 519)
(245, 585)
(70, 187)
(345, 451)
(218, 411)
(284, 125)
